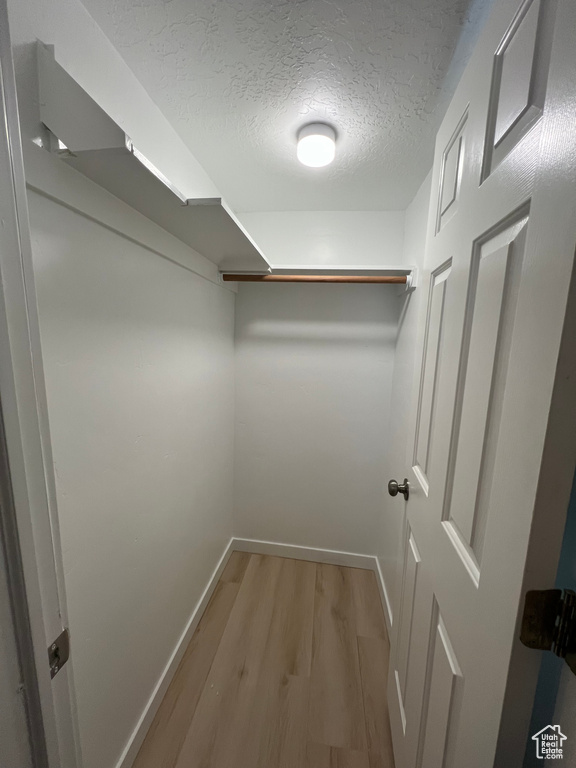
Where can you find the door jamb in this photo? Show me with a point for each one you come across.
(27, 477)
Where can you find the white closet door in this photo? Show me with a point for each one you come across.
(500, 253)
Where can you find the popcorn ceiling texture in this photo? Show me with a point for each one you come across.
(238, 78)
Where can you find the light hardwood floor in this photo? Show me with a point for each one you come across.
(287, 669)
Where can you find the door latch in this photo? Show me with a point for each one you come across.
(59, 652)
(549, 623)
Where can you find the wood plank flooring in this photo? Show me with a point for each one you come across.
(287, 669)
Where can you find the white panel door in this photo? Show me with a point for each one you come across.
(500, 253)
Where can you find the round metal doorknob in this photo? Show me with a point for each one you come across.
(394, 488)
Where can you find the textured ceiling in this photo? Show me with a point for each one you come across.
(238, 78)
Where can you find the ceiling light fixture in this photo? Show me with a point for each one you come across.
(316, 145)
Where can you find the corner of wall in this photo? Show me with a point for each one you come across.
(391, 523)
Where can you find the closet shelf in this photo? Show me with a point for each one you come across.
(360, 269)
(86, 138)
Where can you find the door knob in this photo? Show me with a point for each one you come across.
(394, 488)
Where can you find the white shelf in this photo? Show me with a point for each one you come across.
(97, 147)
(323, 269)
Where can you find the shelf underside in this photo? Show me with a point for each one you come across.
(90, 141)
(204, 225)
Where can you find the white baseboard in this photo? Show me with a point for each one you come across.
(386, 604)
(330, 556)
(136, 739)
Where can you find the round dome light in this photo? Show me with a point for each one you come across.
(316, 145)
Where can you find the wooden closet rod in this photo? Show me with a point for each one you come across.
(398, 279)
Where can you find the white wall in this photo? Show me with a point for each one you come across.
(138, 357)
(137, 337)
(399, 429)
(313, 375)
(330, 238)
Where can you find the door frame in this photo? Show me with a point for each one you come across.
(28, 513)
(20, 698)
(555, 481)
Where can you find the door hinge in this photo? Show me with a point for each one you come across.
(549, 623)
(59, 652)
